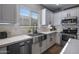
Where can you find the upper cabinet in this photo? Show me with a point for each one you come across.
(8, 13)
(47, 17)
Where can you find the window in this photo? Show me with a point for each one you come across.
(34, 15)
(28, 17)
(24, 11)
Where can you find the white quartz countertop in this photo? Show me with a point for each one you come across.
(71, 47)
(12, 40)
(48, 32)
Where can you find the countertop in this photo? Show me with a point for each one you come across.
(48, 32)
(12, 40)
(71, 47)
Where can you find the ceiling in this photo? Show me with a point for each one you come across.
(60, 7)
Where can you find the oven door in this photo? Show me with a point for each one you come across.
(65, 37)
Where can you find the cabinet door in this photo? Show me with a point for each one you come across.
(48, 17)
(9, 13)
(48, 41)
(52, 39)
(77, 11)
(58, 38)
(1, 13)
(43, 47)
(52, 18)
(36, 48)
(73, 12)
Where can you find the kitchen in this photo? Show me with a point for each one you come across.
(36, 28)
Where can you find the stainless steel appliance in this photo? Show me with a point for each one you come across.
(24, 47)
(70, 20)
(69, 31)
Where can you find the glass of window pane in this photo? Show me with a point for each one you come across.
(24, 11)
(24, 16)
(34, 20)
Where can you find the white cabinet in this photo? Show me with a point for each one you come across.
(50, 40)
(39, 47)
(47, 17)
(43, 47)
(77, 11)
(73, 12)
(8, 13)
(58, 38)
(0, 13)
(52, 18)
(35, 48)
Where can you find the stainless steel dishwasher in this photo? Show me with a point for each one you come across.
(23, 47)
(26, 47)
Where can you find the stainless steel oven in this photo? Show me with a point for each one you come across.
(68, 33)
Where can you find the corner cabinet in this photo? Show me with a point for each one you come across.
(47, 17)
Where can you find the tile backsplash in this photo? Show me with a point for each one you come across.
(13, 30)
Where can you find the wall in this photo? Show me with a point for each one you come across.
(18, 30)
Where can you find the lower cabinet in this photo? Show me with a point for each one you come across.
(39, 47)
(58, 38)
(36, 48)
(51, 40)
(43, 47)
(25, 47)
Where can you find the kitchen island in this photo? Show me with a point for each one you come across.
(71, 47)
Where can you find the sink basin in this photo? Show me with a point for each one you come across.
(36, 34)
